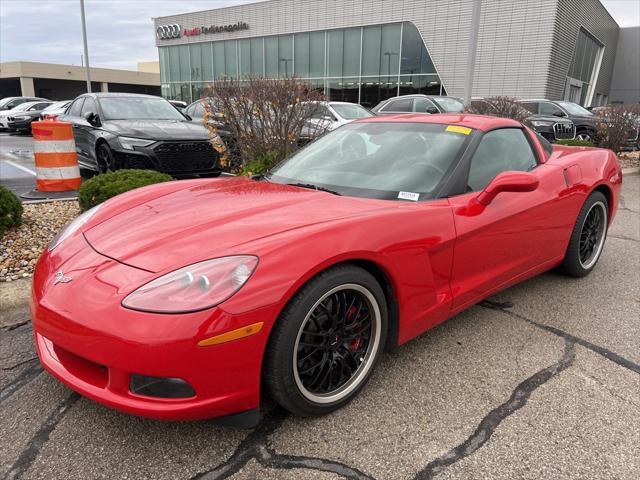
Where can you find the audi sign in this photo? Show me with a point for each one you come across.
(166, 32)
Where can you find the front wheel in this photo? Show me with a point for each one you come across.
(327, 341)
(584, 136)
(588, 236)
(105, 158)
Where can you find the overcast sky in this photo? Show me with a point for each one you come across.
(121, 32)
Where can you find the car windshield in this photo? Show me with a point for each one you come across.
(23, 107)
(138, 108)
(5, 101)
(385, 160)
(449, 105)
(574, 109)
(57, 105)
(351, 112)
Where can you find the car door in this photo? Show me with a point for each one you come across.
(89, 133)
(518, 232)
(80, 127)
(401, 105)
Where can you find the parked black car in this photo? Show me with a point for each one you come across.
(20, 122)
(582, 118)
(418, 104)
(550, 127)
(121, 130)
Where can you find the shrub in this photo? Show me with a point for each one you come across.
(261, 163)
(575, 143)
(104, 186)
(265, 117)
(505, 107)
(10, 210)
(615, 124)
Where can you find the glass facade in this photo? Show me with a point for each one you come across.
(581, 76)
(362, 65)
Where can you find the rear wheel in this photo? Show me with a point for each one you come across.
(327, 341)
(588, 237)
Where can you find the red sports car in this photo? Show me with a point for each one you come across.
(183, 300)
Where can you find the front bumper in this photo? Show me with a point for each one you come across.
(20, 126)
(87, 340)
(176, 158)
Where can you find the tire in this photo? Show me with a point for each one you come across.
(104, 158)
(585, 135)
(587, 239)
(305, 335)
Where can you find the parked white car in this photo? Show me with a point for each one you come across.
(23, 107)
(331, 115)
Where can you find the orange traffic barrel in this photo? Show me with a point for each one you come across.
(56, 158)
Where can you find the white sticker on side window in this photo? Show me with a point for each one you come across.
(414, 197)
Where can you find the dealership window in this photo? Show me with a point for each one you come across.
(583, 70)
(301, 54)
(362, 64)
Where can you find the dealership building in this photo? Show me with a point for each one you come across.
(368, 50)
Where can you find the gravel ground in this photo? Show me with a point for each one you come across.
(629, 159)
(21, 247)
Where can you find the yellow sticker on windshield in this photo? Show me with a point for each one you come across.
(458, 129)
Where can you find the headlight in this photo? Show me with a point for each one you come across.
(195, 287)
(541, 123)
(128, 142)
(20, 118)
(67, 231)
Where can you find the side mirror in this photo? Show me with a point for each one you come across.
(432, 110)
(92, 118)
(559, 113)
(508, 182)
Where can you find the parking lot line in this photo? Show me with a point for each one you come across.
(20, 167)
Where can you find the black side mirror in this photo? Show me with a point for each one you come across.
(559, 113)
(432, 110)
(93, 119)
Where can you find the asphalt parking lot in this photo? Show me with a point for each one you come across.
(540, 382)
(17, 167)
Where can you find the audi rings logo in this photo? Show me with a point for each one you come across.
(166, 32)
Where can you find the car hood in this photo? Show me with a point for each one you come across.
(215, 218)
(157, 129)
(549, 118)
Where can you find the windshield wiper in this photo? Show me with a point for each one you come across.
(314, 187)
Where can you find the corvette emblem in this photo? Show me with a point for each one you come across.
(61, 278)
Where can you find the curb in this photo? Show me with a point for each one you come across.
(630, 170)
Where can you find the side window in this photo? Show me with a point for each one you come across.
(321, 113)
(499, 151)
(198, 110)
(403, 105)
(547, 108)
(423, 105)
(532, 107)
(89, 106)
(15, 103)
(74, 109)
(40, 106)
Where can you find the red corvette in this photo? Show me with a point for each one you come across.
(181, 300)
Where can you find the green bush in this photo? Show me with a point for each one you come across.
(575, 143)
(10, 210)
(104, 186)
(261, 163)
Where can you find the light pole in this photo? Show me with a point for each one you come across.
(86, 48)
(471, 53)
(286, 65)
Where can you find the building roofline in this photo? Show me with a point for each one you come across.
(228, 7)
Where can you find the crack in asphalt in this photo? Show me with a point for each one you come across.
(256, 446)
(622, 237)
(16, 365)
(20, 381)
(495, 417)
(604, 352)
(41, 437)
(13, 326)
